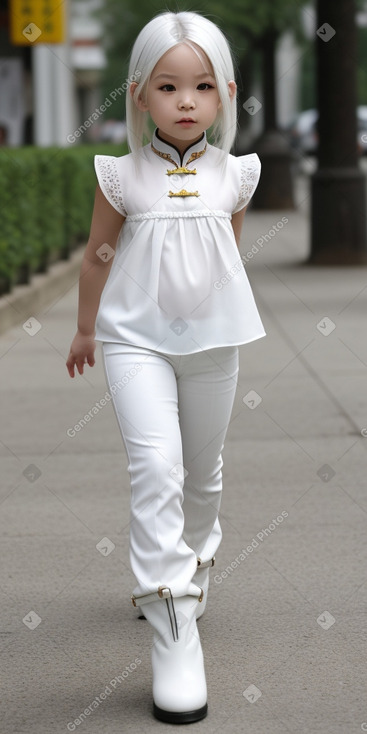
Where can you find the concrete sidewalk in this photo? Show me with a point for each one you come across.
(284, 634)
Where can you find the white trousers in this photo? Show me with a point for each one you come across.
(173, 413)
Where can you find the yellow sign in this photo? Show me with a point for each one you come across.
(37, 21)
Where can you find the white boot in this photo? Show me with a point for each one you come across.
(201, 579)
(179, 685)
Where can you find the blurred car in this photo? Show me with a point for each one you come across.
(362, 128)
(113, 131)
(303, 132)
(304, 136)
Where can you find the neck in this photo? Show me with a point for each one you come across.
(180, 145)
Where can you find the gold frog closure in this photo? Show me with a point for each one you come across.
(183, 192)
(180, 169)
(166, 156)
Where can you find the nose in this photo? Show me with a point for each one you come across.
(186, 102)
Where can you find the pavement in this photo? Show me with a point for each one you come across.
(284, 632)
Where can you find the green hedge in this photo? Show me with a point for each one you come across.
(46, 204)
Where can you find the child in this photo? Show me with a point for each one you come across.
(175, 307)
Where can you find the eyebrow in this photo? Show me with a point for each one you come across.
(174, 76)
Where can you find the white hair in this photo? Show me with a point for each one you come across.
(162, 33)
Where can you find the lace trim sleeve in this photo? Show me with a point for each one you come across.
(108, 178)
(249, 178)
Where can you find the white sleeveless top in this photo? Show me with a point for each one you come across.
(177, 284)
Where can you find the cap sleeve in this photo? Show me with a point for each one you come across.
(109, 181)
(250, 168)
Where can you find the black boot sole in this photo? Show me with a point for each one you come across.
(180, 717)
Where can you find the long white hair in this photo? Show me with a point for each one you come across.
(162, 33)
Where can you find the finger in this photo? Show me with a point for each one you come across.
(80, 364)
(70, 366)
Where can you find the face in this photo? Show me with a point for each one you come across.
(182, 96)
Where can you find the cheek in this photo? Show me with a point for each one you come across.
(215, 104)
(159, 102)
(153, 98)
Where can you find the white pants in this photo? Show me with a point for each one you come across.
(173, 413)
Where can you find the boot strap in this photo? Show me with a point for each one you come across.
(206, 564)
(163, 592)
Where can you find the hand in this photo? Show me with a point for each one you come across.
(81, 353)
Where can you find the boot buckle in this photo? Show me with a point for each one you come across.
(206, 564)
(164, 592)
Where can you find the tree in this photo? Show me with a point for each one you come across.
(256, 28)
(338, 225)
(260, 25)
(252, 27)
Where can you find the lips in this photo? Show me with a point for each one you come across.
(186, 119)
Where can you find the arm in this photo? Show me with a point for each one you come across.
(105, 227)
(237, 220)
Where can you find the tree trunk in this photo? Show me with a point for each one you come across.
(338, 225)
(275, 190)
(245, 73)
(268, 74)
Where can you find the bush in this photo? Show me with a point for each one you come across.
(46, 203)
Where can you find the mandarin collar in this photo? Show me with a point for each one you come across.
(194, 151)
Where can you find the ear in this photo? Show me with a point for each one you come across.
(141, 105)
(232, 88)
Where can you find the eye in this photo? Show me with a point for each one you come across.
(205, 84)
(164, 88)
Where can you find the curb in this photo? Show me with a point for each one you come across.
(29, 300)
